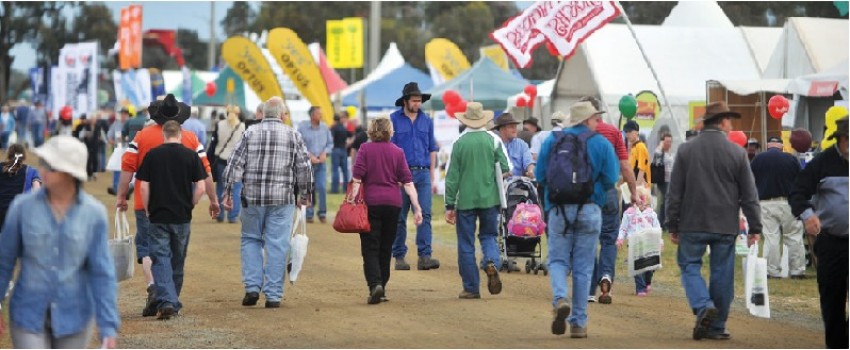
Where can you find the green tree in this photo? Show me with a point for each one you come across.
(95, 22)
(238, 19)
(194, 49)
(468, 26)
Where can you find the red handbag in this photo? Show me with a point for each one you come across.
(352, 217)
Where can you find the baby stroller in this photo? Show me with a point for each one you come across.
(520, 190)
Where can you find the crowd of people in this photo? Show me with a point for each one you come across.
(257, 173)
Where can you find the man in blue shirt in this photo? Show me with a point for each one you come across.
(518, 151)
(573, 235)
(196, 126)
(414, 134)
(319, 142)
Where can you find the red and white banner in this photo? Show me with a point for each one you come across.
(518, 37)
(563, 23)
(573, 21)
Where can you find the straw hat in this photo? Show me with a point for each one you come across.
(65, 154)
(475, 116)
(579, 112)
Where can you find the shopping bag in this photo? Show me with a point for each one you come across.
(298, 244)
(644, 251)
(352, 217)
(114, 163)
(121, 247)
(755, 284)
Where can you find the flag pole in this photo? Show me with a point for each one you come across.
(649, 64)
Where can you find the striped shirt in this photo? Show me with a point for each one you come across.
(149, 138)
(272, 163)
(615, 137)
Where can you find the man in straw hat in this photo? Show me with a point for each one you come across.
(144, 141)
(826, 220)
(518, 152)
(472, 193)
(574, 227)
(414, 134)
(709, 185)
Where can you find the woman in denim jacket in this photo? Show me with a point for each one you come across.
(67, 278)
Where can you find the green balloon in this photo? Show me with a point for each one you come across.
(628, 106)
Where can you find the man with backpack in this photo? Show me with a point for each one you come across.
(576, 168)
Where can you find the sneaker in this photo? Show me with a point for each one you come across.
(469, 295)
(648, 288)
(642, 294)
(322, 219)
(272, 304)
(578, 332)
(111, 191)
(715, 335)
(250, 299)
(309, 220)
(384, 299)
(605, 288)
(704, 319)
(591, 298)
(150, 303)
(426, 263)
(165, 312)
(375, 295)
(494, 284)
(561, 311)
(400, 264)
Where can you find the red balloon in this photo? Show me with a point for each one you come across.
(210, 89)
(531, 102)
(552, 49)
(451, 97)
(522, 102)
(460, 106)
(777, 106)
(801, 140)
(738, 137)
(531, 90)
(450, 110)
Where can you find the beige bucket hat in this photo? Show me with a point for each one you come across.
(65, 154)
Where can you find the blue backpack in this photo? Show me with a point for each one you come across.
(569, 176)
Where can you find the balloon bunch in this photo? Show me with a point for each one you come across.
(528, 98)
(454, 103)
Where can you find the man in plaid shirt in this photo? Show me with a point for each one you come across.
(272, 163)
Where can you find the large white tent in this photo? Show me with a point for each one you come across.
(762, 43)
(808, 45)
(706, 14)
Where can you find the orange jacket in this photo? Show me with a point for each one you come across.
(146, 140)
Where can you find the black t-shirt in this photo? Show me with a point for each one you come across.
(360, 138)
(340, 135)
(171, 169)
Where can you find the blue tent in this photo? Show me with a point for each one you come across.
(490, 84)
(382, 93)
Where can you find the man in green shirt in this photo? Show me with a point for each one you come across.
(472, 191)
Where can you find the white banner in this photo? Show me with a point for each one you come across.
(75, 84)
(133, 86)
(570, 22)
(518, 37)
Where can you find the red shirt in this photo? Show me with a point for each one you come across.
(615, 137)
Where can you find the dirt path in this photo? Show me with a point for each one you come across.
(327, 307)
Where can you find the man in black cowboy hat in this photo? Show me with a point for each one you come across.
(826, 220)
(530, 127)
(702, 211)
(518, 151)
(414, 134)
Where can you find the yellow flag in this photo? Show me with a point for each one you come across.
(247, 60)
(446, 57)
(497, 55)
(335, 43)
(293, 56)
(345, 42)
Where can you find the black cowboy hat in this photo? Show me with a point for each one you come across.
(169, 109)
(532, 121)
(411, 89)
(840, 129)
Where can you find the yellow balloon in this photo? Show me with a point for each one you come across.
(832, 114)
(352, 111)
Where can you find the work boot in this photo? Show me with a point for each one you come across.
(400, 264)
(426, 263)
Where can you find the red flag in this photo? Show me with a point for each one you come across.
(168, 40)
(517, 36)
(570, 22)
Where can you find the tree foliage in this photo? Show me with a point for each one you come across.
(238, 18)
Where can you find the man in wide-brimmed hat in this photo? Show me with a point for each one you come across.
(472, 193)
(414, 134)
(710, 183)
(826, 220)
(574, 225)
(518, 151)
(557, 119)
(530, 127)
(144, 141)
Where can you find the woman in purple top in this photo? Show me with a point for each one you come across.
(379, 168)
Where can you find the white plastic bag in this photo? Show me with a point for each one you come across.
(121, 248)
(755, 284)
(644, 251)
(298, 244)
(114, 163)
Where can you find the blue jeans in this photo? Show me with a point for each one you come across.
(142, 235)
(721, 289)
(169, 245)
(235, 193)
(265, 228)
(573, 252)
(320, 180)
(339, 164)
(37, 134)
(489, 221)
(116, 177)
(606, 261)
(642, 280)
(422, 182)
(4, 139)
